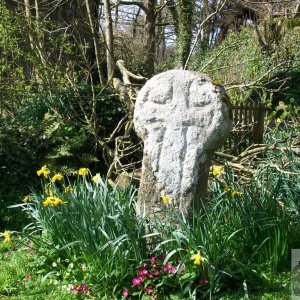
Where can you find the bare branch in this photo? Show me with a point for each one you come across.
(137, 3)
(256, 81)
(199, 31)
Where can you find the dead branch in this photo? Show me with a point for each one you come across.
(248, 161)
(127, 153)
(218, 9)
(126, 75)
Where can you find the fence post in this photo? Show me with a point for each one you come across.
(258, 130)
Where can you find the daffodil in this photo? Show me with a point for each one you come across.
(53, 201)
(27, 198)
(58, 201)
(166, 199)
(96, 179)
(227, 188)
(48, 202)
(68, 189)
(57, 176)
(6, 236)
(43, 171)
(216, 170)
(197, 258)
(282, 105)
(236, 193)
(83, 171)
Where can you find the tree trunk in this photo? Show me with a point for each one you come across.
(95, 39)
(109, 41)
(149, 37)
(184, 29)
(182, 13)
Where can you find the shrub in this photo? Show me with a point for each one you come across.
(244, 234)
(53, 128)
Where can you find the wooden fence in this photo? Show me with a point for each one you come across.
(248, 126)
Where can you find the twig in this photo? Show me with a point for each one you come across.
(255, 82)
(199, 31)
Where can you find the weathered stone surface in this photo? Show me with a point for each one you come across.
(182, 117)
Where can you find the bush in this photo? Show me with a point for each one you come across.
(253, 66)
(244, 235)
(53, 128)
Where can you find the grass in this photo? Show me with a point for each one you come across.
(91, 235)
(20, 279)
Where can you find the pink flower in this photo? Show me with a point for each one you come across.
(203, 281)
(145, 265)
(137, 281)
(83, 288)
(150, 276)
(126, 293)
(172, 270)
(153, 259)
(143, 273)
(149, 290)
(75, 288)
(169, 268)
(155, 273)
(154, 297)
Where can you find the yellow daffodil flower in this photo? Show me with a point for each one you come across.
(83, 171)
(43, 171)
(282, 105)
(53, 201)
(227, 188)
(6, 236)
(166, 199)
(68, 189)
(47, 201)
(236, 194)
(27, 198)
(58, 201)
(216, 170)
(197, 258)
(96, 179)
(57, 176)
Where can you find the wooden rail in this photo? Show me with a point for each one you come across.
(248, 126)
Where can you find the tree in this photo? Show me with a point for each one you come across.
(109, 41)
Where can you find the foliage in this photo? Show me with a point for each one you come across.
(239, 242)
(55, 128)
(250, 59)
(92, 224)
(19, 277)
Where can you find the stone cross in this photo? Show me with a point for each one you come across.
(182, 117)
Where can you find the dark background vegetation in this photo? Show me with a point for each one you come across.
(58, 106)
